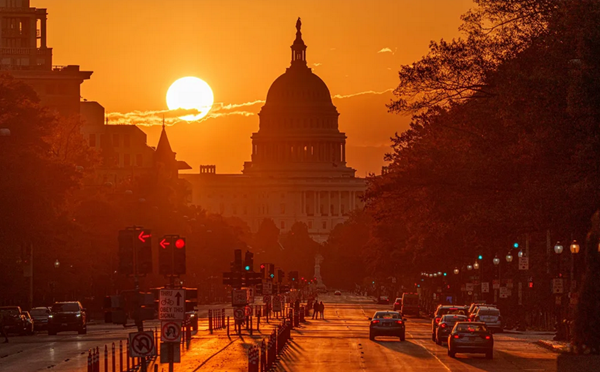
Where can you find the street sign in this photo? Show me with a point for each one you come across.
(276, 304)
(266, 299)
(239, 313)
(495, 284)
(469, 287)
(509, 283)
(166, 357)
(239, 297)
(172, 304)
(250, 294)
(267, 288)
(524, 263)
(170, 331)
(248, 310)
(141, 344)
(485, 287)
(503, 292)
(557, 286)
(558, 300)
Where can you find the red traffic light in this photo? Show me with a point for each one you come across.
(262, 266)
(180, 243)
(142, 237)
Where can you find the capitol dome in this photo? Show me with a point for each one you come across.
(298, 86)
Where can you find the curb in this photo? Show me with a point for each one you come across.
(550, 346)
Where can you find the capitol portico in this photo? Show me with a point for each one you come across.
(298, 169)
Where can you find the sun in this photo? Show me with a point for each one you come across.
(190, 93)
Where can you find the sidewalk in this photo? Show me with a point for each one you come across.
(555, 346)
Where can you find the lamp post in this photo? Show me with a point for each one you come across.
(560, 330)
(496, 262)
(574, 248)
(53, 286)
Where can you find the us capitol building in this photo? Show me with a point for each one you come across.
(298, 170)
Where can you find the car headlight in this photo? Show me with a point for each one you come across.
(78, 315)
(193, 315)
(50, 316)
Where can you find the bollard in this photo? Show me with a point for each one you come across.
(250, 325)
(89, 368)
(223, 318)
(210, 325)
(188, 335)
(128, 365)
(120, 355)
(114, 364)
(97, 359)
(227, 326)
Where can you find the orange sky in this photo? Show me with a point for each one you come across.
(137, 48)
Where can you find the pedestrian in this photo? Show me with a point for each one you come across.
(2, 330)
(322, 310)
(316, 310)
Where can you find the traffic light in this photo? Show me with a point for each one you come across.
(126, 252)
(237, 260)
(280, 276)
(271, 271)
(165, 255)
(179, 256)
(143, 239)
(531, 282)
(263, 271)
(249, 261)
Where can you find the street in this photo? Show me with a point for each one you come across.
(340, 341)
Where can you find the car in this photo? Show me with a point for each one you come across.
(383, 300)
(471, 337)
(29, 323)
(14, 320)
(397, 304)
(337, 293)
(445, 326)
(67, 316)
(410, 304)
(387, 323)
(40, 317)
(443, 310)
(475, 305)
(490, 316)
(192, 318)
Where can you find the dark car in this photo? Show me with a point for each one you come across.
(192, 318)
(397, 304)
(14, 320)
(410, 304)
(383, 300)
(471, 337)
(443, 310)
(67, 316)
(40, 317)
(445, 326)
(387, 323)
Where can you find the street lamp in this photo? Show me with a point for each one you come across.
(476, 265)
(558, 248)
(469, 267)
(574, 247)
(496, 260)
(456, 271)
(520, 254)
(439, 273)
(56, 264)
(509, 257)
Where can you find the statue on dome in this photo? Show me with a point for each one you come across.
(298, 24)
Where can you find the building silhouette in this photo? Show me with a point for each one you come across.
(298, 170)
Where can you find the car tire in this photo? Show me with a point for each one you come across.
(433, 337)
(402, 337)
(489, 355)
(371, 336)
(438, 341)
(451, 353)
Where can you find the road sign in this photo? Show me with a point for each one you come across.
(485, 287)
(141, 344)
(557, 286)
(239, 297)
(509, 283)
(266, 299)
(166, 356)
(523, 263)
(503, 292)
(172, 304)
(495, 284)
(250, 294)
(170, 331)
(248, 310)
(469, 287)
(267, 287)
(239, 313)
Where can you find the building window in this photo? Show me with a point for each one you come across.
(126, 140)
(115, 140)
(282, 225)
(324, 224)
(138, 160)
(92, 140)
(126, 160)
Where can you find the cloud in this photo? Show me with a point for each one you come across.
(317, 64)
(338, 96)
(385, 50)
(218, 110)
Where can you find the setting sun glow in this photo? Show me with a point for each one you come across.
(190, 93)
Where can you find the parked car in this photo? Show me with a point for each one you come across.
(445, 326)
(397, 304)
(14, 320)
(471, 337)
(387, 323)
(490, 316)
(29, 323)
(475, 305)
(383, 300)
(40, 317)
(338, 293)
(443, 310)
(67, 316)
(410, 304)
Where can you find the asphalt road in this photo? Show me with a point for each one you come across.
(340, 342)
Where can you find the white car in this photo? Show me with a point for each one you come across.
(337, 293)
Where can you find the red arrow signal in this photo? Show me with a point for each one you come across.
(164, 243)
(142, 237)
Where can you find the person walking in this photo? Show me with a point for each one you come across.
(2, 330)
(316, 310)
(322, 310)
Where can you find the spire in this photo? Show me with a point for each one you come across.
(163, 149)
(298, 47)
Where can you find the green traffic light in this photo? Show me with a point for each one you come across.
(272, 275)
(480, 257)
(516, 245)
(247, 268)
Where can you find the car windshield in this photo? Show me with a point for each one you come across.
(9, 311)
(451, 310)
(472, 328)
(451, 319)
(387, 316)
(65, 307)
(411, 300)
(35, 312)
(398, 300)
(493, 312)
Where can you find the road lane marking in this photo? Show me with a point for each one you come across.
(432, 354)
